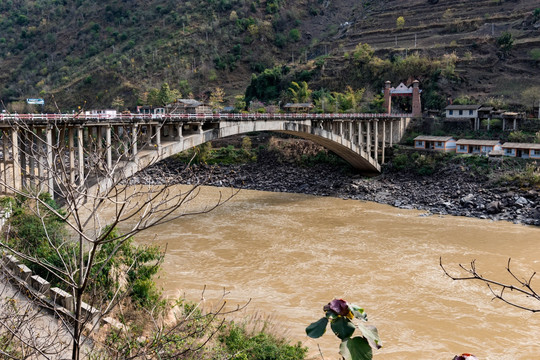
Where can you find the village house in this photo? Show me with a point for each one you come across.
(188, 106)
(521, 150)
(440, 143)
(477, 147)
(464, 113)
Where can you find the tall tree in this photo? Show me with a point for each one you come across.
(300, 92)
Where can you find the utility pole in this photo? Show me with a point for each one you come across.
(415, 41)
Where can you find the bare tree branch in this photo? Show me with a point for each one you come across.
(522, 288)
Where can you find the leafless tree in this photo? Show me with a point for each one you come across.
(105, 198)
(520, 294)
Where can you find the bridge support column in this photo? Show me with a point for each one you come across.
(391, 132)
(99, 141)
(368, 138)
(42, 158)
(23, 152)
(31, 154)
(71, 146)
(50, 164)
(383, 140)
(360, 135)
(351, 133)
(158, 138)
(134, 130)
(376, 134)
(4, 161)
(179, 132)
(108, 147)
(80, 148)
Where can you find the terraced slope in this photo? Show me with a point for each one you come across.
(469, 29)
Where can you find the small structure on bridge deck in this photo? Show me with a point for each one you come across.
(298, 107)
(102, 113)
(403, 90)
(440, 143)
(188, 106)
(477, 147)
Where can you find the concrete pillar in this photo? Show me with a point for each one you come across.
(23, 146)
(383, 140)
(31, 158)
(71, 148)
(515, 125)
(108, 147)
(504, 124)
(488, 122)
(4, 160)
(15, 158)
(416, 102)
(351, 132)
(387, 97)
(360, 135)
(42, 158)
(376, 134)
(80, 139)
(368, 138)
(179, 132)
(99, 141)
(50, 164)
(391, 132)
(134, 130)
(158, 137)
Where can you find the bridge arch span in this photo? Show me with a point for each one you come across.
(340, 145)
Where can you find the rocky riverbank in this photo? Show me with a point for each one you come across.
(453, 189)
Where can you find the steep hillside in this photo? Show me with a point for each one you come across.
(88, 53)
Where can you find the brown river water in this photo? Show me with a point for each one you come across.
(291, 254)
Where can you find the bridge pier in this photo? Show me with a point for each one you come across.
(50, 164)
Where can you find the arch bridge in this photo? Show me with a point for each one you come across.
(51, 151)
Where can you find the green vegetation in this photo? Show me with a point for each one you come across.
(242, 345)
(505, 42)
(205, 154)
(526, 177)
(421, 164)
(33, 234)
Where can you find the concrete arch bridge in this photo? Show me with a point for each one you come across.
(51, 151)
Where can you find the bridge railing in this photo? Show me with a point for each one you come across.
(7, 118)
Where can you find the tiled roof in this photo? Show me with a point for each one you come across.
(433, 138)
(463, 107)
(521, 146)
(477, 142)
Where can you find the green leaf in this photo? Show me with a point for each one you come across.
(317, 328)
(371, 334)
(331, 315)
(358, 312)
(343, 327)
(356, 349)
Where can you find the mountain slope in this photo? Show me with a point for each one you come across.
(87, 53)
